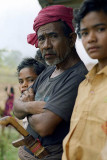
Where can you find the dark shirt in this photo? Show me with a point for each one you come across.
(60, 94)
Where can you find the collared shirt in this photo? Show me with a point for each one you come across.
(87, 138)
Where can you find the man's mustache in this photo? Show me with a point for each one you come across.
(50, 52)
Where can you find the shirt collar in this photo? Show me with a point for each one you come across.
(93, 72)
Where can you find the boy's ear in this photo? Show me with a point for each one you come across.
(72, 38)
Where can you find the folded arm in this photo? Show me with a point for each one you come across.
(44, 123)
(41, 120)
(22, 109)
(26, 105)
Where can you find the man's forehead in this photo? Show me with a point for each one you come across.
(50, 27)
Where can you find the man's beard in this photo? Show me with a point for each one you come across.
(58, 60)
(55, 62)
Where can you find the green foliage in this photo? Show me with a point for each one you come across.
(7, 151)
(3, 141)
(8, 63)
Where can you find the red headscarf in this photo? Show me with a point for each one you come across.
(50, 14)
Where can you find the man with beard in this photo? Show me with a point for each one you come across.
(56, 88)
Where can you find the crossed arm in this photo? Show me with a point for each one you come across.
(41, 120)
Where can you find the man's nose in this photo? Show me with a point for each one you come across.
(47, 43)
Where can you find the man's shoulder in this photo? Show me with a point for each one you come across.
(80, 65)
(79, 69)
(47, 71)
(49, 68)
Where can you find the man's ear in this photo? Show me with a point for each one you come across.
(72, 38)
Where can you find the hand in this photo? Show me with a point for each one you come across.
(27, 95)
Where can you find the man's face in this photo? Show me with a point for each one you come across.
(93, 29)
(54, 45)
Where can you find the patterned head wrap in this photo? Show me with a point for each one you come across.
(51, 14)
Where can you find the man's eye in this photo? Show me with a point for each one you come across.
(40, 39)
(53, 36)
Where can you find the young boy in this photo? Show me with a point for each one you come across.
(87, 138)
(27, 71)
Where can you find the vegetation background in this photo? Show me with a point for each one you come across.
(7, 150)
(8, 64)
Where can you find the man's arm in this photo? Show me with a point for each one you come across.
(44, 123)
(41, 120)
(22, 109)
(26, 105)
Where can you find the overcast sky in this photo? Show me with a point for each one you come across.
(16, 20)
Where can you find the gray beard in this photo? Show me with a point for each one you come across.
(57, 61)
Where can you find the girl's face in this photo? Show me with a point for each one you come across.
(26, 78)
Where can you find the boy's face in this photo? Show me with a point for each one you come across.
(93, 30)
(26, 78)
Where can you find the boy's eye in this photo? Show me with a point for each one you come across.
(20, 81)
(31, 80)
(101, 29)
(83, 34)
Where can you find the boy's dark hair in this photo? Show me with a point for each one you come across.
(31, 63)
(86, 7)
(39, 57)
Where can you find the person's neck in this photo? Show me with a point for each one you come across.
(67, 63)
(102, 64)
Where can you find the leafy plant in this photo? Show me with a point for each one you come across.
(7, 151)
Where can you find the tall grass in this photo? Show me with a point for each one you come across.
(7, 150)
